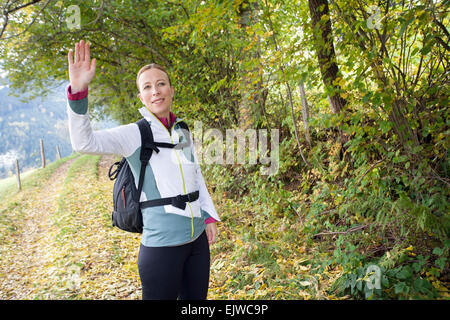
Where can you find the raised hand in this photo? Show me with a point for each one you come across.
(81, 70)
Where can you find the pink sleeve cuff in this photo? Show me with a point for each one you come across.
(210, 220)
(76, 96)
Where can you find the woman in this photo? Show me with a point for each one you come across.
(174, 258)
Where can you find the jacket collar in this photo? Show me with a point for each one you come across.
(147, 114)
(150, 116)
(172, 120)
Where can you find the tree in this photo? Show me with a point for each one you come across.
(305, 112)
(253, 94)
(402, 61)
(326, 56)
(125, 35)
(11, 7)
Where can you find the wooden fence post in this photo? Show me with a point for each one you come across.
(42, 153)
(18, 175)
(58, 154)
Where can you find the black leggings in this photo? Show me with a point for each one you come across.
(168, 273)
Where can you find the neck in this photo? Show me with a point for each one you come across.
(160, 115)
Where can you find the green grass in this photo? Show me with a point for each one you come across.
(12, 213)
(10, 183)
(30, 179)
(85, 165)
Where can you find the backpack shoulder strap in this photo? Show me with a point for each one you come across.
(146, 150)
(183, 125)
(186, 143)
(147, 143)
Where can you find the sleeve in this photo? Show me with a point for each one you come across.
(210, 220)
(122, 140)
(76, 96)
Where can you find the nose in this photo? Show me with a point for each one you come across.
(155, 91)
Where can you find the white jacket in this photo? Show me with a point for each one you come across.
(171, 172)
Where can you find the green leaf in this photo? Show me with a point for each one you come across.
(438, 251)
(404, 26)
(404, 273)
(400, 288)
(385, 126)
(441, 262)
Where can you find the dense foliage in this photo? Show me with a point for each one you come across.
(366, 182)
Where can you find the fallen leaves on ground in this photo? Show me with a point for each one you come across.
(62, 244)
(58, 243)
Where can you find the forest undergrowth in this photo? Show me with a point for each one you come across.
(279, 238)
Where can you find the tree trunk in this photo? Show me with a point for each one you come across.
(326, 55)
(253, 94)
(305, 112)
(324, 46)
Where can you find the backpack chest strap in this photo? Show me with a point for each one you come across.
(178, 201)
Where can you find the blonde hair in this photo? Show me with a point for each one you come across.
(148, 67)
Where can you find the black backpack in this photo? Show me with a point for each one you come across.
(127, 213)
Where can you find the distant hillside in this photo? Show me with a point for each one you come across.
(22, 124)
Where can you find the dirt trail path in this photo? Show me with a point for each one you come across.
(28, 251)
(104, 164)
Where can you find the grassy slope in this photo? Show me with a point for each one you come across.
(81, 256)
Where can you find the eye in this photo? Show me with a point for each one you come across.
(161, 84)
(147, 86)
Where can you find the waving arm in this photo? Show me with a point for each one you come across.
(81, 68)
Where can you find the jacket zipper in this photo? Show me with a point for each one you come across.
(181, 171)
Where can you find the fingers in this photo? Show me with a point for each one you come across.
(76, 53)
(82, 50)
(214, 233)
(87, 52)
(93, 65)
(70, 57)
(210, 237)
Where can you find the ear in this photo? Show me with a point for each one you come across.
(140, 98)
(172, 91)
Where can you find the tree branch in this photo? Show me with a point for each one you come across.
(288, 89)
(100, 12)
(370, 169)
(357, 228)
(31, 23)
(22, 6)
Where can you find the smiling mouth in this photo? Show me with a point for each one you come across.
(158, 101)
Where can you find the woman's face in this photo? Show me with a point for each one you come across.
(155, 92)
